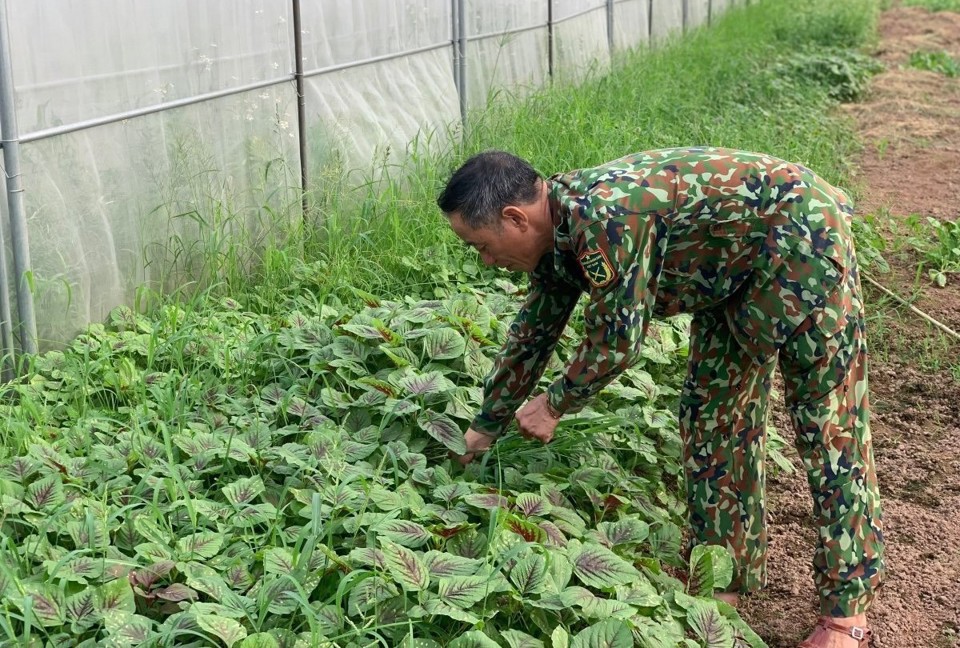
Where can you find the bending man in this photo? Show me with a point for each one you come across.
(760, 252)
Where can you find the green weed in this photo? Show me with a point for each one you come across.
(939, 61)
(934, 5)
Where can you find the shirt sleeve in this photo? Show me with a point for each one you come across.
(532, 338)
(619, 257)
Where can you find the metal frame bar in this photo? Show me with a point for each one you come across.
(610, 27)
(17, 211)
(301, 107)
(460, 60)
(149, 110)
(505, 32)
(579, 14)
(550, 24)
(375, 59)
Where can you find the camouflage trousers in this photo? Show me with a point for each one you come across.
(723, 417)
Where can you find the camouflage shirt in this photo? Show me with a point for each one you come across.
(666, 232)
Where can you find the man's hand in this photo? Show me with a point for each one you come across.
(477, 442)
(536, 421)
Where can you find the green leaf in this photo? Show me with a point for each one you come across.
(405, 566)
(259, 640)
(705, 620)
(369, 593)
(404, 532)
(444, 429)
(80, 609)
(532, 504)
(462, 591)
(639, 593)
(444, 344)
(623, 532)
(473, 639)
(46, 493)
(436, 606)
(176, 592)
(243, 491)
(200, 545)
(489, 501)
(530, 575)
(412, 642)
(612, 633)
(517, 639)
(126, 629)
(432, 382)
(445, 565)
(117, 595)
(278, 560)
(601, 608)
(227, 630)
(559, 638)
(711, 568)
(78, 570)
(597, 566)
(45, 603)
(743, 633)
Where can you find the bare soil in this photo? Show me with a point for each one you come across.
(910, 125)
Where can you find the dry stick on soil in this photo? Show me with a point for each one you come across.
(940, 325)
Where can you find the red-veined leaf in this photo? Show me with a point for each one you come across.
(80, 609)
(45, 604)
(462, 591)
(116, 596)
(432, 382)
(532, 504)
(529, 575)
(407, 568)
(611, 633)
(473, 639)
(46, 493)
(443, 429)
(445, 565)
(487, 501)
(278, 560)
(205, 544)
(444, 344)
(517, 639)
(244, 490)
(176, 592)
(714, 630)
(227, 630)
(404, 532)
(597, 566)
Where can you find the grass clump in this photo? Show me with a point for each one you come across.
(935, 61)
(934, 5)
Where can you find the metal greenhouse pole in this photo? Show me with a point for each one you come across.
(460, 58)
(301, 106)
(18, 220)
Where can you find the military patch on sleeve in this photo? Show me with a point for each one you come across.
(597, 268)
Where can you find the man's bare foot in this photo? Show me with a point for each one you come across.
(822, 637)
(730, 598)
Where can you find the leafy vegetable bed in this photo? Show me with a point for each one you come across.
(227, 478)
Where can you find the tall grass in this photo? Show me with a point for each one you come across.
(763, 78)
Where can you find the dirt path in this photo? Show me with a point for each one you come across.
(910, 125)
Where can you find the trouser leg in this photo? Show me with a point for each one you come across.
(723, 411)
(825, 383)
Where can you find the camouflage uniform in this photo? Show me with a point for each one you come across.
(760, 252)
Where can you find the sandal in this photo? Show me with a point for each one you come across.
(860, 634)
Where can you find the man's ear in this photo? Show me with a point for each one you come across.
(515, 217)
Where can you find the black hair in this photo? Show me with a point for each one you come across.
(485, 184)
